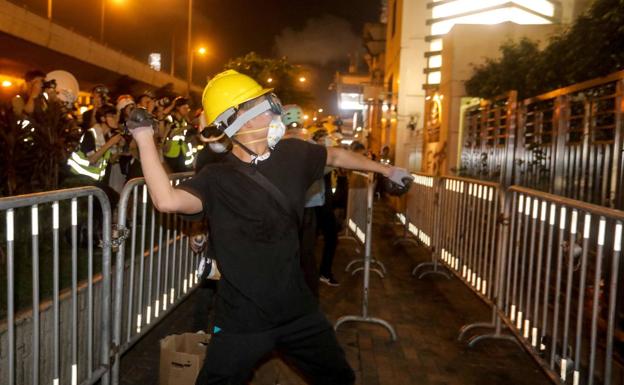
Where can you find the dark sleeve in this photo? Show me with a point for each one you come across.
(316, 159)
(87, 145)
(199, 186)
(86, 119)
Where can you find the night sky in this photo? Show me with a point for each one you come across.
(320, 33)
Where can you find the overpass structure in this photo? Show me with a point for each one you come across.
(26, 38)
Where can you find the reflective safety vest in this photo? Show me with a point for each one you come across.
(176, 143)
(79, 162)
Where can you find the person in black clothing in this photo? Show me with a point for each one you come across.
(252, 200)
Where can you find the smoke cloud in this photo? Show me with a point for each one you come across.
(321, 41)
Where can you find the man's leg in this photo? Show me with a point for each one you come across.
(310, 344)
(231, 358)
(329, 228)
(307, 256)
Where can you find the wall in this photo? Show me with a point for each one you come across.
(464, 47)
(405, 62)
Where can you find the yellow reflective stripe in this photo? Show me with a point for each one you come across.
(80, 160)
(80, 170)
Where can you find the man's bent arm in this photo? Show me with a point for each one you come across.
(339, 157)
(165, 197)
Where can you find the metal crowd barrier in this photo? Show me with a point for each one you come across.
(547, 265)
(158, 271)
(422, 218)
(356, 220)
(560, 283)
(65, 339)
(361, 223)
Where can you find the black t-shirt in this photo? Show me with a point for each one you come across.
(256, 242)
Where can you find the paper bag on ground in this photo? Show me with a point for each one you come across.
(181, 358)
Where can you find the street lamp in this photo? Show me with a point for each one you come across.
(201, 51)
(102, 14)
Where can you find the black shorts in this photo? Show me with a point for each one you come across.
(308, 343)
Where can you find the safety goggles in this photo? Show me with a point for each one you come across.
(229, 122)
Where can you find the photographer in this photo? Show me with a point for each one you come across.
(99, 97)
(31, 99)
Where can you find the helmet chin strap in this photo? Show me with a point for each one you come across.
(254, 157)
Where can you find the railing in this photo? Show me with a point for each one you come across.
(79, 352)
(360, 222)
(157, 272)
(548, 266)
(567, 142)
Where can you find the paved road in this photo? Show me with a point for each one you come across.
(426, 314)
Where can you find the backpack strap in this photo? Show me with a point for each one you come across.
(275, 192)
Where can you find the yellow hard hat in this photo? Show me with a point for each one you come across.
(229, 89)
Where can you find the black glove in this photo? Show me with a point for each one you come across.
(140, 120)
(398, 181)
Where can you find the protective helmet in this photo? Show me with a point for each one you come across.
(124, 101)
(228, 90)
(292, 116)
(225, 93)
(66, 86)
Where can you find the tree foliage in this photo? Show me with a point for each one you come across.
(284, 75)
(591, 47)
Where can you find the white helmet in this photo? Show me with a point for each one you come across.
(66, 86)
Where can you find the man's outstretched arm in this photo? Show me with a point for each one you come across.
(338, 157)
(165, 197)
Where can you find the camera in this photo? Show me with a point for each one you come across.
(163, 102)
(49, 84)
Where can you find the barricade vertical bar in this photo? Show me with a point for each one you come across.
(74, 292)
(90, 284)
(568, 296)
(10, 295)
(490, 241)
(516, 250)
(55, 292)
(595, 310)
(166, 272)
(173, 260)
(159, 265)
(129, 317)
(581, 300)
(140, 309)
(35, 292)
(528, 317)
(615, 261)
(555, 328)
(523, 255)
(510, 307)
(549, 248)
(538, 274)
(151, 266)
(106, 288)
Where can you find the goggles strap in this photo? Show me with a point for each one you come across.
(233, 128)
(252, 131)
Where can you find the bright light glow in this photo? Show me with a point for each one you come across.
(385, 108)
(83, 109)
(306, 117)
(436, 45)
(358, 129)
(6, 83)
(320, 110)
(154, 61)
(347, 141)
(270, 80)
(435, 61)
(302, 79)
(314, 118)
(434, 77)
(351, 101)
(202, 51)
(459, 7)
(496, 16)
